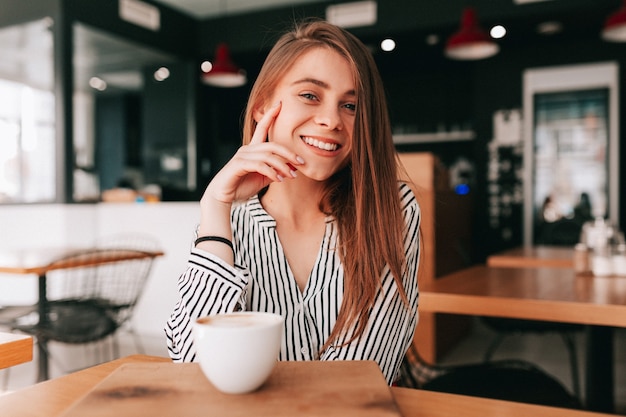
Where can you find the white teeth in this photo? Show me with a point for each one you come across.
(319, 144)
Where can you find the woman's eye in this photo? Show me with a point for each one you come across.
(350, 106)
(308, 96)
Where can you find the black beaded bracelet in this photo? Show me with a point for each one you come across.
(215, 239)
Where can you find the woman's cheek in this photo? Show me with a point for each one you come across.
(277, 128)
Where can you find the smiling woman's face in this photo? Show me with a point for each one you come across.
(317, 115)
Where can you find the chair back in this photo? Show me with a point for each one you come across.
(126, 292)
(113, 273)
(92, 293)
(511, 380)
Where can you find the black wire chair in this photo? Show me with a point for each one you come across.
(510, 380)
(505, 327)
(133, 241)
(91, 297)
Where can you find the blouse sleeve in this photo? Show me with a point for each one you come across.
(208, 286)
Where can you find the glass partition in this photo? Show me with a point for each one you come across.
(132, 117)
(571, 153)
(571, 150)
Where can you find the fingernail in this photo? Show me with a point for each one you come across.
(293, 173)
(299, 159)
(280, 178)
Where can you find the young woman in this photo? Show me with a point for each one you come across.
(308, 219)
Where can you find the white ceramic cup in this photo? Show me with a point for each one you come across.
(238, 351)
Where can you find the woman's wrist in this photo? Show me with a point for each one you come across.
(214, 229)
(214, 217)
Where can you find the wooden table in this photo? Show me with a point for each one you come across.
(15, 349)
(40, 261)
(52, 398)
(550, 294)
(534, 256)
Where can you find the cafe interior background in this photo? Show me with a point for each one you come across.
(108, 123)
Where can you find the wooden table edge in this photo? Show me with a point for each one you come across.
(15, 349)
(420, 403)
(54, 265)
(59, 395)
(528, 309)
(410, 402)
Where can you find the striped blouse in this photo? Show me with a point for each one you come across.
(262, 281)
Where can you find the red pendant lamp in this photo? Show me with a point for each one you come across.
(223, 72)
(615, 26)
(470, 42)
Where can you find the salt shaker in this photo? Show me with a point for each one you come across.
(582, 264)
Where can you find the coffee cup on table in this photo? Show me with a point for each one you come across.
(238, 351)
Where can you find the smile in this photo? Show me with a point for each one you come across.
(325, 146)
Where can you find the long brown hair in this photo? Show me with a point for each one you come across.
(364, 196)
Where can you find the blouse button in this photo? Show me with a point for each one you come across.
(304, 350)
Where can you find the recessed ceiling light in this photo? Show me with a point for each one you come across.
(97, 83)
(497, 32)
(432, 39)
(162, 74)
(388, 45)
(549, 28)
(206, 66)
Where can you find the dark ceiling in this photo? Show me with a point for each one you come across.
(411, 21)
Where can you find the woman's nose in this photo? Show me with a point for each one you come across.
(330, 117)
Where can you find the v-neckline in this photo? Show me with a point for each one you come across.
(265, 217)
(292, 277)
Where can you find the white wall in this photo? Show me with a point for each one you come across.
(173, 224)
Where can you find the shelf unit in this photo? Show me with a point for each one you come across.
(430, 137)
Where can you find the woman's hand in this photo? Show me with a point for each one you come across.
(254, 166)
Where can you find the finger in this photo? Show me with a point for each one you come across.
(264, 169)
(263, 127)
(277, 156)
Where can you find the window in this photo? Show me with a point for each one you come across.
(27, 114)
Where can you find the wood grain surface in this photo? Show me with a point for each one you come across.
(341, 388)
(534, 257)
(55, 397)
(551, 294)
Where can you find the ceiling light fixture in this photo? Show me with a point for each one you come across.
(97, 83)
(432, 39)
(615, 26)
(470, 42)
(162, 74)
(497, 32)
(549, 28)
(388, 45)
(223, 72)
